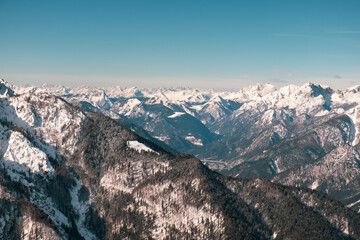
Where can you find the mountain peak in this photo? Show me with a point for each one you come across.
(218, 99)
(261, 86)
(354, 89)
(6, 89)
(316, 89)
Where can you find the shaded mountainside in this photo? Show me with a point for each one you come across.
(321, 157)
(71, 174)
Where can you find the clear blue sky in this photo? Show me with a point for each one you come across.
(218, 44)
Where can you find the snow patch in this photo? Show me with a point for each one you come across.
(81, 208)
(21, 156)
(48, 207)
(355, 116)
(274, 235)
(138, 146)
(353, 204)
(162, 138)
(275, 165)
(315, 185)
(194, 141)
(176, 114)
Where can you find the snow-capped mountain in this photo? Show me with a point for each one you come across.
(258, 131)
(155, 110)
(290, 130)
(68, 173)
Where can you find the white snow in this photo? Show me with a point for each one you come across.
(81, 208)
(274, 235)
(314, 185)
(197, 107)
(41, 125)
(353, 204)
(194, 140)
(176, 114)
(22, 156)
(275, 165)
(138, 146)
(48, 207)
(355, 118)
(49, 117)
(131, 108)
(162, 138)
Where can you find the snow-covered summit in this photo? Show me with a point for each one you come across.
(354, 89)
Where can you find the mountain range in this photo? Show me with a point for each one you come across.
(111, 163)
(258, 131)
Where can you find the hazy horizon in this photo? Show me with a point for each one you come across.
(202, 44)
(219, 89)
